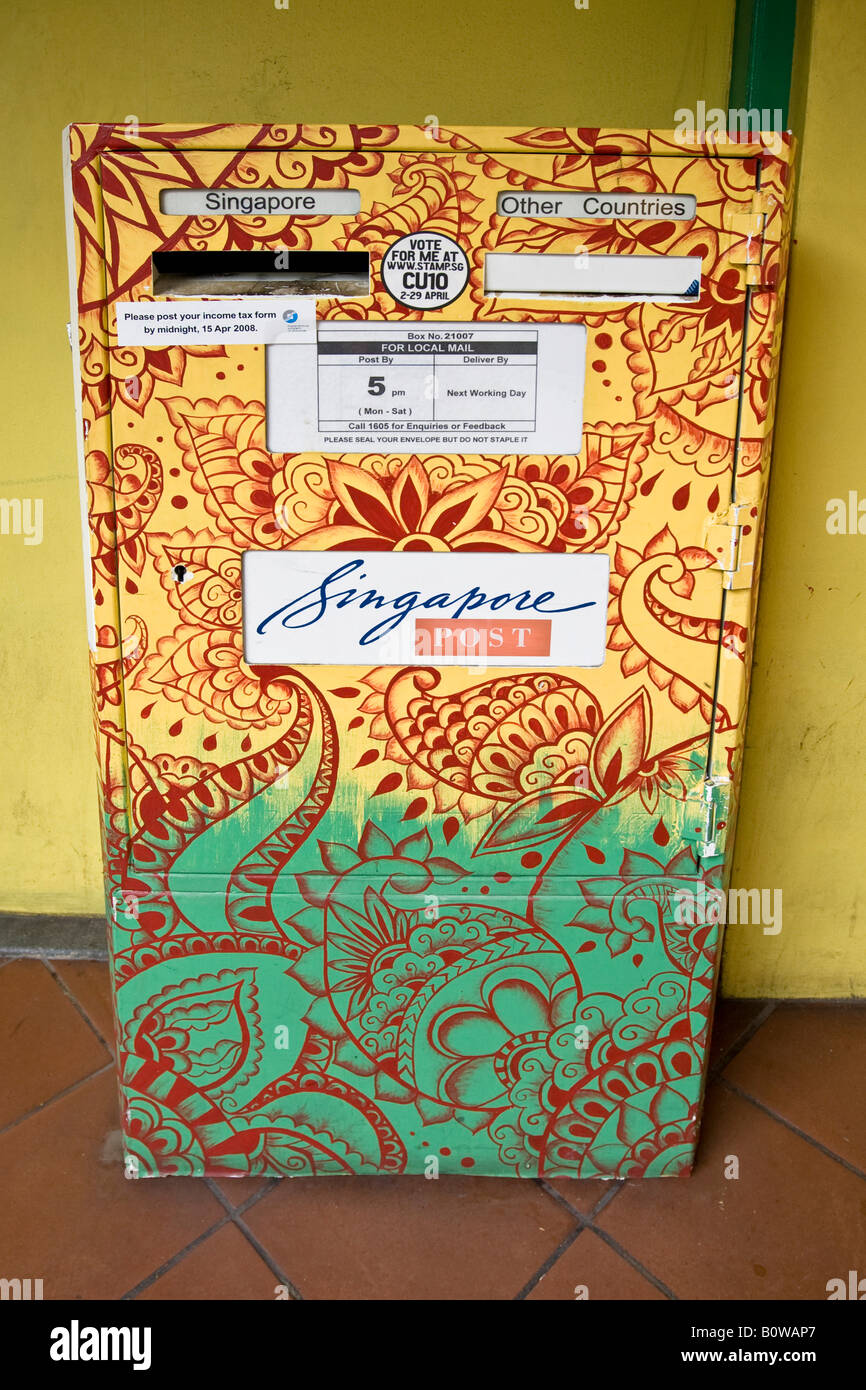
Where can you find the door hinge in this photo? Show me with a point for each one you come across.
(712, 800)
(746, 230)
(732, 540)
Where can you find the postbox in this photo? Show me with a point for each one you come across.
(424, 476)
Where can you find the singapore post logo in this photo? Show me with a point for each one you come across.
(520, 630)
(424, 608)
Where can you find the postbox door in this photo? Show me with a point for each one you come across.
(661, 399)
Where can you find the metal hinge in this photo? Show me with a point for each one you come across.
(713, 796)
(747, 245)
(733, 541)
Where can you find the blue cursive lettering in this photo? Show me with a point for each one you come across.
(309, 608)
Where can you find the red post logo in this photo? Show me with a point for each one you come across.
(482, 637)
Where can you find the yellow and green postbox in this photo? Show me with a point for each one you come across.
(424, 482)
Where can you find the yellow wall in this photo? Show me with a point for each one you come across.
(804, 789)
(497, 61)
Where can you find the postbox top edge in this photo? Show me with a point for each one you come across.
(87, 141)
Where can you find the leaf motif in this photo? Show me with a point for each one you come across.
(566, 164)
(374, 843)
(598, 893)
(625, 559)
(544, 815)
(546, 137)
(684, 864)
(463, 508)
(411, 495)
(414, 881)
(338, 858)
(315, 886)
(350, 918)
(308, 970)
(417, 846)
(379, 913)
(663, 543)
(363, 497)
(638, 865)
(622, 743)
(445, 870)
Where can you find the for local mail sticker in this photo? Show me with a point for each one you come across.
(165, 323)
(425, 387)
(425, 270)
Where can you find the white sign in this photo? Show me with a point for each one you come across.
(636, 207)
(411, 608)
(418, 388)
(269, 319)
(528, 275)
(259, 202)
(425, 270)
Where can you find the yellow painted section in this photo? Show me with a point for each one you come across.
(626, 65)
(803, 798)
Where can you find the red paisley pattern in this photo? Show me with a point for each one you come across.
(362, 918)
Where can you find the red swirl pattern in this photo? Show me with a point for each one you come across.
(364, 919)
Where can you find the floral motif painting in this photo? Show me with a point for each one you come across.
(384, 920)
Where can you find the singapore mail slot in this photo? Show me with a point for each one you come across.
(424, 488)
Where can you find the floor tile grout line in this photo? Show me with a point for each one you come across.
(237, 1208)
(257, 1196)
(59, 1095)
(75, 1002)
(742, 1039)
(606, 1198)
(632, 1260)
(175, 1259)
(18, 952)
(789, 1124)
(545, 1268)
(217, 1191)
(563, 1201)
(588, 1222)
(268, 1258)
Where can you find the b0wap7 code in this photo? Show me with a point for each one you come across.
(723, 1333)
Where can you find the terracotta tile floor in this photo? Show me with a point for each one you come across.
(784, 1107)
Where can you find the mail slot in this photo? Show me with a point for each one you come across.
(424, 486)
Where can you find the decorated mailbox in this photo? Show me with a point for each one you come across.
(424, 484)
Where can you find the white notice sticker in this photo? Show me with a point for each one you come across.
(418, 388)
(267, 319)
(414, 608)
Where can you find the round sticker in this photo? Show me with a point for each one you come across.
(425, 270)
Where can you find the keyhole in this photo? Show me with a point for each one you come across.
(180, 573)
